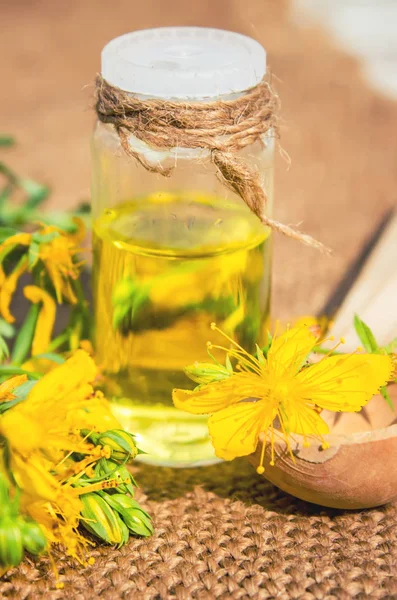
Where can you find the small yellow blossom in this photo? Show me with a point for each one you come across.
(51, 248)
(42, 432)
(281, 394)
(58, 259)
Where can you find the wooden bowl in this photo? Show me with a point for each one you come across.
(359, 470)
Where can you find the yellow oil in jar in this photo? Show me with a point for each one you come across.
(165, 267)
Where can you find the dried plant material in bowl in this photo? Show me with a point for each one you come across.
(358, 470)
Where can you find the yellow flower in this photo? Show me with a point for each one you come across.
(58, 259)
(51, 248)
(46, 319)
(53, 408)
(281, 395)
(41, 433)
(19, 239)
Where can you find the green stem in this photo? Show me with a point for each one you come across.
(23, 342)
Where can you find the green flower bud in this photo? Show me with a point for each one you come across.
(33, 538)
(121, 444)
(137, 520)
(108, 468)
(102, 521)
(11, 548)
(207, 372)
(6, 506)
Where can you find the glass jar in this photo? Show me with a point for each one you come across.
(173, 254)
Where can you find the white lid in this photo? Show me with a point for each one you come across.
(183, 62)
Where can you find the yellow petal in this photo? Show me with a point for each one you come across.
(94, 415)
(55, 277)
(235, 430)
(298, 417)
(71, 379)
(3, 276)
(34, 479)
(19, 239)
(46, 319)
(8, 288)
(21, 431)
(289, 350)
(345, 383)
(68, 292)
(216, 396)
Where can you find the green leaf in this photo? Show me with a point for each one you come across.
(391, 347)
(33, 253)
(266, 348)
(6, 140)
(23, 390)
(19, 393)
(260, 355)
(366, 336)
(386, 396)
(4, 351)
(11, 370)
(23, 342)
(4, 406)
(228, 364)
(36, 192)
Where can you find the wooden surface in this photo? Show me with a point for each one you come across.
(373, 295)
(338, 134)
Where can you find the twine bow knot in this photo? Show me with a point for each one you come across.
(224, 127)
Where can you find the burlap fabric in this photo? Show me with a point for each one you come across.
(223, 531)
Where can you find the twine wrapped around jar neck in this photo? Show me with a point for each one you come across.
(224, 127)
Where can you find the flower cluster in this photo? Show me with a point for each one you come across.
(63, 463)
(50, 256)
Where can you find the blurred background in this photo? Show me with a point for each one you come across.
(335, 67)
